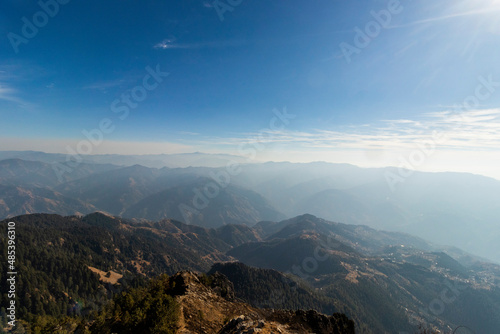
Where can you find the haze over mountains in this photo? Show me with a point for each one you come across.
(149, 160)
(453, 209)
(335, 238)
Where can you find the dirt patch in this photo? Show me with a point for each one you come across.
(107, 277)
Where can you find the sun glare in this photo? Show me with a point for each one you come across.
(480, 7)
(492, 5)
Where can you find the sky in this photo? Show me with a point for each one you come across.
(373, 83)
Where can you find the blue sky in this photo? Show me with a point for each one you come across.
(227, 76)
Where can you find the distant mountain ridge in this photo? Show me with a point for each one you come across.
(179, 160)
(27, 173)
(135, 192)
(16, 201)
(232, 205)
(445, 208)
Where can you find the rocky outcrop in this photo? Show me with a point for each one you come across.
(279, 321)
(208, 306)
(243, 324)
(222, 286)
(312, 321)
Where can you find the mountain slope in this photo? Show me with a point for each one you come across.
(61, 256)
(25, 173)
(16, 201)
(191, 303)
(392, 291)
(229, 205)
(330, 267)
(115, 190)
(266, 288)
(361, 238)
(444, 208)
(457, 208)
(336, 205)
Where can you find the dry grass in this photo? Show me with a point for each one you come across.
(107, 277)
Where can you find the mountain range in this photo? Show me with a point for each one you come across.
(386, 282)
(196, 159)
(455, 209)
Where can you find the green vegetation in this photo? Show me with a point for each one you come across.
(58, 293)
(53, 258)
(267, 288)
(141, 310)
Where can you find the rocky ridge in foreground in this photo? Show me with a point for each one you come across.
(210, 307)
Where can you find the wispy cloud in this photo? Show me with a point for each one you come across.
(170, 43)
(10, 94)
(105, 85)
(471, 130)
(124, 81)
(12, 77)
(188, 133)
(465, 142)
(165, 44)
(6, 93)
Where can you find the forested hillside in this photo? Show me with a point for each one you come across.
(74, 266)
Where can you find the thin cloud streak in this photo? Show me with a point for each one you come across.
(13, 76)
(467, 142)
(105, 85)
(170, 44)
(472, 130)
(11, 95)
